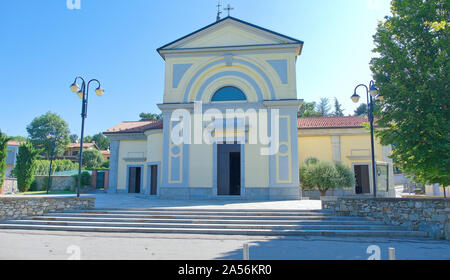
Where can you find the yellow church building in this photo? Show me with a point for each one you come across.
(230, 126)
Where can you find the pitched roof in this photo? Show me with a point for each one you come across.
(85, 145)
(135, 127)
(302, 123)
(230, 19)
(331, 122)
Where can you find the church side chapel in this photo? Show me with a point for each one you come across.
(230, 64)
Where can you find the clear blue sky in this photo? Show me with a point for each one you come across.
(44, 45)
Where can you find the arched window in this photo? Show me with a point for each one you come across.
(229, 94)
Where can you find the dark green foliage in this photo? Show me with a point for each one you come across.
(346, 177)
(85, 179)
(42, 127)
(412, 72)
(92, 159)
(101, 141)
(361, 110)
(338, 111)
(73, 138)
(3, 155)
(308, 109)
(150, 117)
(25, 165)
(105, 164)
(33, 186)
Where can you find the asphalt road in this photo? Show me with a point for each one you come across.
(69, 245)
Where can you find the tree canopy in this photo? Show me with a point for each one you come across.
(338, 111)
(412, 72)
(92, 159)
(150, 116)
(101, 141)
(323, 107)
(41, 129)
(361, 110)
(324, 176)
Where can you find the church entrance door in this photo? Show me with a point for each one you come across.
(229, 169)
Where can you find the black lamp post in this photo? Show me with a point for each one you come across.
(83, 93)
(373, 90)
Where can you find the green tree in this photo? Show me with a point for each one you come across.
(324, 176)
(73, 138)
(308, 109)
(338, 111)
(101, 141)
(346, 177)
(412, 72)
(150, 116)
(18, 138)
(25, 165)
(3, 155)
(361, 110)
(323, 107)
(88, 139)
(41, 128)
(92, 159)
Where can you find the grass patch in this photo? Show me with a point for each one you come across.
(45, 192)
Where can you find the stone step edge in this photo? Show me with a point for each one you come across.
(224, 231)
(193, 225)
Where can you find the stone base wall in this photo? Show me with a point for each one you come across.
(59, 183)
(431, 215)
(12, 207)
(9, 186)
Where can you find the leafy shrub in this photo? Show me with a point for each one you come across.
(25, 165)
(324, 176)
(92, 159)
(58, 165)
(85, 179)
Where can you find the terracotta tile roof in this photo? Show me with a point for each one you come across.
(135, 127)
(14, 143)
(331, 122)
(85, 145)
(302, 123)
(105, 152)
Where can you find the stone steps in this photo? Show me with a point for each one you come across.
(201, 220)
(210, 221)
(218, 225)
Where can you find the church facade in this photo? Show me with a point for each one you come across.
(229, 128)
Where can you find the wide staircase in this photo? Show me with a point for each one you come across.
(211, 221)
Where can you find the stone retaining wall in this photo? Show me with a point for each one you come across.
(431, 215)
(13, 207)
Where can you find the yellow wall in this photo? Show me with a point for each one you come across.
(351, 144)
(130, 149)
(155, 147)
(256, 167)
(200, 165)
(314, 146)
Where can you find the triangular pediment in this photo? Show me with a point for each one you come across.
(229, 32)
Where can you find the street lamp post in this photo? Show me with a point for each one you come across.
(374, 93)
(83, 94)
